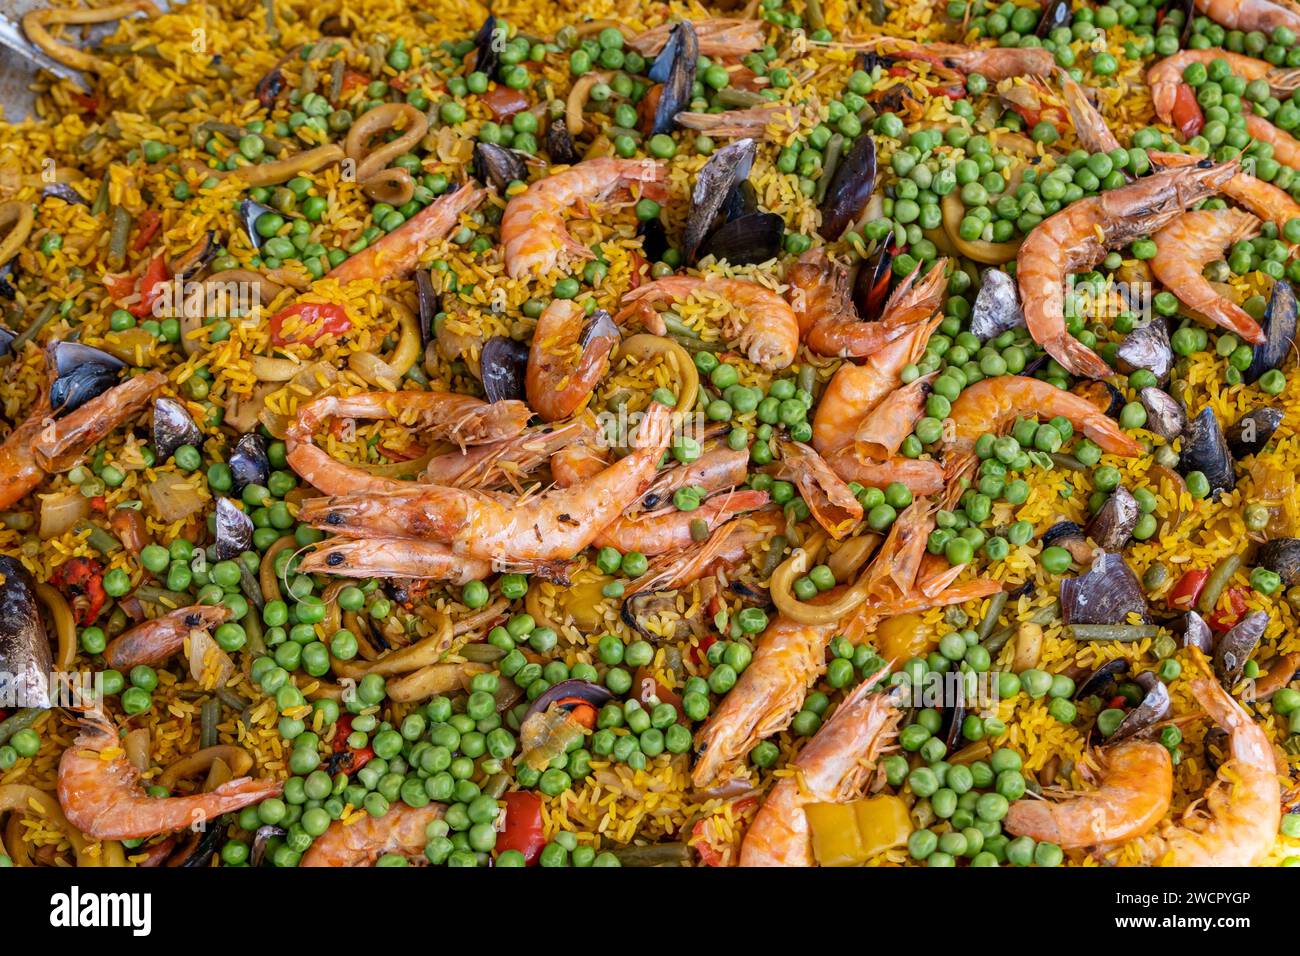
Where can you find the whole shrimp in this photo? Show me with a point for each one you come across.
(1175, 100)
(1244, 803)
(1248, 15)
(558, 381)
(667, 530)
(1268, 202)
(718, 36)
(828, 320)
(102, 796)
(830, 501)
(550, 526)
(992, 404)
(1132, 795)
(759, 321)
(1080, 235)
(444, 416)
(726, 547)
(393, 558)
(717, 468)
(1286, 148)
(1089, 125)
(152, 642)
(39, 446)
(402, 830)
(834, 767)
(501, 462)
(1186, 245)
(992, 63)
(533, 234)
(398, 253)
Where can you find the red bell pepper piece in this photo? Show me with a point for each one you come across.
(152, 283)
(523, 828)
(1222, 620)
(1187, 115)
(150, 222)
(325, 318)
(347, 758)
(504, 102)
(82, 582)
(1188, 589)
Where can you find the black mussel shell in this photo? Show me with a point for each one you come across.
(997, 306)
(234, 530)
(212, 840)
(594, 694)
(487, 58)
(1281, 556)
(1107, 594)
(428, 304)
(1279, 332)
(850, 189)
(270, 86)
(7, 337)
(89, 380)
(742, 200)
(1113, 524)
(1147, 347)
(872, 284)
(1105, 397)
(714, 183)
(503, 364)
(68, 356)
(599, 325)
(172, 427)
(1165, 416)
(559, 143)
(1189, 15)
(753, 238)
(1250, 433)
(249, 462)
(333, 26)
(954, 715)
(1055, 14)
(1196, 633)
(1154, 708)
(497, 166)
(681, 54)
(25, 659)
(1215, 742)
(1101, 682)
(1070, 536)
(1236, 645)
(199, 257)
(263, 834)
(1206, 450)
(65, 192)
(654, 239)
(249, 212)
(7, 288)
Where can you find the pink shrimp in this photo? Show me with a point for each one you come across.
(402, 830)
(558, 382)
(660, 532)
(153, 642)
(718, 37)
(1247, 15)
(393, 558)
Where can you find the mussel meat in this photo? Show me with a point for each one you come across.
(715, 182)
(1105, 397)
(249, 462)
(1281, 556)
(1107, 594)
(1165, 417)
(850, 188)
(1070, 536)
(1235, 647)
(503, 363)
(1147, 347)
(997, 306)
(674, 67)
(1250, 433)
(1113, 524)
(1206, 450)
(234, 530)
(25, 658)
(1279, 332)
(172, 427)
(559, 143)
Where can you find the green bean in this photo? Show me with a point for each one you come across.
(336, 79)
(29, 333)
(17, 520)
(1124, 633)
(118, 234)
(497, 785)
(813, 10)
(228, 130)
(998, 639)
(773, 557)
(161, 596)
(307, 82)
(482, 653)
(807, 378)
(231, 699)
(832, 162)
(1068, 462)
(996, 603)
(1216, 582)
(99, 539)
(19, 720)
(272, 30)
(661, 854)
(90, 142)
(209, 716)
(616, 131)
(741, 99)
(100, 204)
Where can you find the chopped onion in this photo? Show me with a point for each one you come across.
(59, 513)
(172, 497)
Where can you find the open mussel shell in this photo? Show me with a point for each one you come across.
(7, 288)
(1250, 433)
(503, 363)
(1279, 332)
(249, 462)
(249, 212)
(1103, 396)
(68, 356)
(850, 188)
(1113, 524)
(997, 306)
(65, 192)
(1147, 347)
(654, 239)
(1107, 594)
(1165, 416)
(872, 284)
(749, 239)
(1205, 449)
(714, 183)
(1234, 648)
(25, 658)
(1196, 633)
(1154, 708)
(1070, 536)
(428, 304)
(559, 143)
(172, 427)
(234, 530)
(1281, 556)
(487, 47)
(498, 166)
(1055, 14)
(594, 694)
(198, 257)
(85, 382)
(1103, 681)
(674, 67)
(7, 337)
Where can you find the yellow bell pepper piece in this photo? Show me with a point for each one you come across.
(883, 823)
(835, 839)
